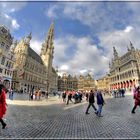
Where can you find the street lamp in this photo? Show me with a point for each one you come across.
(47, 86)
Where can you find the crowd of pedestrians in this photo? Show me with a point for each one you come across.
(36, 94)
(76, 97)
(118, 93)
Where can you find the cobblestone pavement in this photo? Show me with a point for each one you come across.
(54, 119)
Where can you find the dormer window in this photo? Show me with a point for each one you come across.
(7, 47)
(2, 44)
(4, 30)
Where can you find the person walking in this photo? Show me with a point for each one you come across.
(69, 98)
(136, 99)
(9, 94)
(2, 105)
(123, 92)
(35, 94)
(76, 96)
(12, 92)
(87, 96)
(64, 96)
(91, 102)
(31, 93)
(100, 103)
(39, 94)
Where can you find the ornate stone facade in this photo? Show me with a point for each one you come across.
(125, 70)
(83, 83)
(33, 71)
(6, 57)
(103, 83)
(86, 83)
(67, 82)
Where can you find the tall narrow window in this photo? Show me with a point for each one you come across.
(7, 64)
(1, 70)
(5, 71)
(3, 60)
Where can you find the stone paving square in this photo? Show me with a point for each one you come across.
(54, 119)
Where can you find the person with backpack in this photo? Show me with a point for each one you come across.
(136, 99)
(91, 102)
(2, 105)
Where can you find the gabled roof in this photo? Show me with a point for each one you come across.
(34, 55)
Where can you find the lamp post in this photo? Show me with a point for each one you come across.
(47, 86)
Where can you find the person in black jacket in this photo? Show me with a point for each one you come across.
(91, 102)
(64, 96)
(69, 98)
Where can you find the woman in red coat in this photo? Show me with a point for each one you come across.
(2, 105)
(137, 99)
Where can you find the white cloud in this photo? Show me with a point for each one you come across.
(64, 67)
(120, 39)
(83, 71)
(97, 15)
(15, 24)
(6, 16)
(9, 21)
(51, 12)
(12, 10)
(128, 29)
(36, 45)
(84, 57)
(78, 11)
(6, 8)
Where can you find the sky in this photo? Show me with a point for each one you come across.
(84, 32)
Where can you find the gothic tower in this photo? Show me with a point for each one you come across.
(47, 52)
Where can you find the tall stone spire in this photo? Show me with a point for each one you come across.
(47, 52)
(131, 45)
(47, 45)
(48, 48)
(115, 53)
